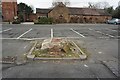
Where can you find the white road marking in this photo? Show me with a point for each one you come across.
(25, 46)
(24, 33)
(112, 30)
(52, 33)
(98, 31)
(105, 34)
(109, 35)
(77, 33)
(5, 30)
(115, 30)
(37, 38)
(19, 39)
(102, 33)
(85, 65)
(100, 52)
(104, 37)
(78, 48)
(90, 29)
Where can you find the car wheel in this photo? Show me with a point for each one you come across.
(115, 23)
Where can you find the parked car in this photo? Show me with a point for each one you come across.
(114, 21)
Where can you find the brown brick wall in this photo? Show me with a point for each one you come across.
(57, 11)
(95, 19)
(9, 10)
(32, 17)
(88, 19)
(60, 12)
(41, 15)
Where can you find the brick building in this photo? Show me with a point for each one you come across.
(9, 9)
(32, 17)
(63, 14)
(59, 13)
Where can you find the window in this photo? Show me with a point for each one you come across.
(96, 18)
(90, 18)
(41, 16)
(61, 16)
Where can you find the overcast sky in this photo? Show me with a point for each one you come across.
(74, 3)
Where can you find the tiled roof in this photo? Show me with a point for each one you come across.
(78, 11)
(44, 11)
(102, 12)
(75, 11)
(87, 11)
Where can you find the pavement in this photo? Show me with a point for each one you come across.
(100, 40)
(27, 23)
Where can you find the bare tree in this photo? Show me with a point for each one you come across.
(99, 5)
(91, 5)
(56, 2)
(67, 2)
(102, 5)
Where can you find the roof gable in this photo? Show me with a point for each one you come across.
(77, 11)
(43, 11)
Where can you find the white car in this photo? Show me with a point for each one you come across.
(114, 21)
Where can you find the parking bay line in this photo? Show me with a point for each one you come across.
(38, 38)
(112, 30)
(5, 30)
(102, 33)
(115, 30)
(24, 33)
(52, 33)
(90, 29)
(105, 34)
(21, 38)
(77, 33)
(25, 46)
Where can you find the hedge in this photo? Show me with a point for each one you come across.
(16, 22)
(43, 20)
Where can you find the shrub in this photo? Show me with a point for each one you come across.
(43, 20)
(21, 17)
(16, 22)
